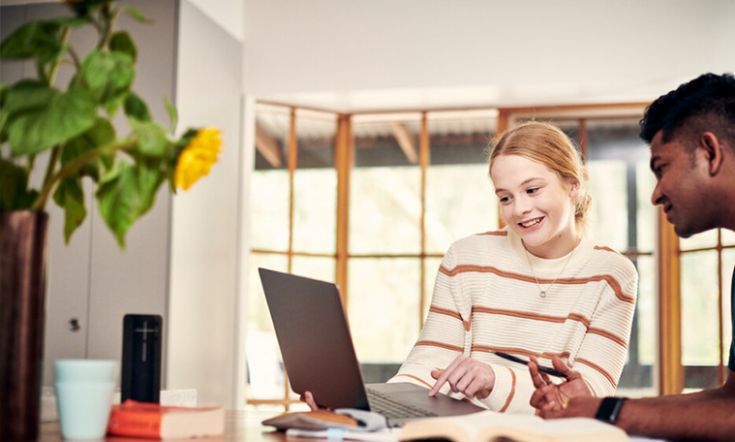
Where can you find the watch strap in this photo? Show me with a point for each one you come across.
(609, 409)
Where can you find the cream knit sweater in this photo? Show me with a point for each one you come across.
(486, 299)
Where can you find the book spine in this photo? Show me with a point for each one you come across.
(135, 424)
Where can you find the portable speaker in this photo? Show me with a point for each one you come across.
(141, 358)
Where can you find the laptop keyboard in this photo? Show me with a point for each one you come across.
(393, 409)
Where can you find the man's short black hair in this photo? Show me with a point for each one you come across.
(709, 98)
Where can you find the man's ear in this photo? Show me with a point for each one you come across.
(712, 149)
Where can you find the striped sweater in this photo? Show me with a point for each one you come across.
(486, 299)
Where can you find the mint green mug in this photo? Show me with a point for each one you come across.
(84, 390)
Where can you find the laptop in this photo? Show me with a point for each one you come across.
(318, 354)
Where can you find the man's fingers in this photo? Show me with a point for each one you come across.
(538, 382)
(564, 368)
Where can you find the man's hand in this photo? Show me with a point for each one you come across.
(553, 400)
(467, 376)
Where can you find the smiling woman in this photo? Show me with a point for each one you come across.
(536, 288)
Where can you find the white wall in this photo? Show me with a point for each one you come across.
(206, 245)
(498, 52)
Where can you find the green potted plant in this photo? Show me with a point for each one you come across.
(65, 133)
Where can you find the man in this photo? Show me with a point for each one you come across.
(691, 131)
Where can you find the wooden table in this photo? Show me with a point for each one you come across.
(240, 426)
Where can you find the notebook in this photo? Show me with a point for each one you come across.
(319, 356)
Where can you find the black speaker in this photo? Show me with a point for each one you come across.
(141, 358)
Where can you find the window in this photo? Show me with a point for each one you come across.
(705, 294)
(373, 201)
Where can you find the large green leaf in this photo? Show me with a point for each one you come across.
(65, 116)
(26, 95)
(125, 195)
(122, 42)
(152, 139)
(14, 192)
(136, 108)
(108, 75)
(38, 39)
(100, 134)
(69, 196)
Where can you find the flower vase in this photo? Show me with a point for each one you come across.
(22, 318)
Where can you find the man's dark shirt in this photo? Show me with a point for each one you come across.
(731, 363)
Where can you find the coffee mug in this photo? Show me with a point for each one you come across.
(84, 396)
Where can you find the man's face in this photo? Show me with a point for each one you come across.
(681, 185)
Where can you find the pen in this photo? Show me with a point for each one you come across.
(547, 370)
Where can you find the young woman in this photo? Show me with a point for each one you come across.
(536, 288)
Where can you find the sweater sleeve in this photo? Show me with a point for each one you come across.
(604, 350)
(443, 336)
(601, 355)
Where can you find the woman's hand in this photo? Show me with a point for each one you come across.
(309, 399)
(552, 399)
(467, 376)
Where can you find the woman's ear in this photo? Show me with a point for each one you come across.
(573, 189)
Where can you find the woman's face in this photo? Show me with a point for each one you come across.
(537, 204)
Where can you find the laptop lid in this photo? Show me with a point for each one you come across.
(314, 338)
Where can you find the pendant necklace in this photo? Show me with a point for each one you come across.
(541, 292)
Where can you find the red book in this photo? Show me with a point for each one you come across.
(153, 421)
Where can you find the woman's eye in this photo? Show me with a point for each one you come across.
(504, 199)
(532, 190)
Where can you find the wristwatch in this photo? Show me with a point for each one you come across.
(609, 409)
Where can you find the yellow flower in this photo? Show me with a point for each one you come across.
(197, 158)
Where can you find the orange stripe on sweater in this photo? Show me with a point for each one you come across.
(440, 345)
(443, 311)
(512, 390)
(601, 370)
(607, 249)
(604, 333)
(612, 282)
(494, 233)
(530, 315)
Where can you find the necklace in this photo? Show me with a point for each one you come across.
(541, 292)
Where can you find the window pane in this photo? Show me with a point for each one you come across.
(700, 336)
(315, 184)
(265, 368)
(647, 212)
(638, 371)
(431, 269)
(383, 307)
(608, 221)
(728, 237)
(460, 198)
(704, 239)
(314, 267)
(384, 185)
(269, 182)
